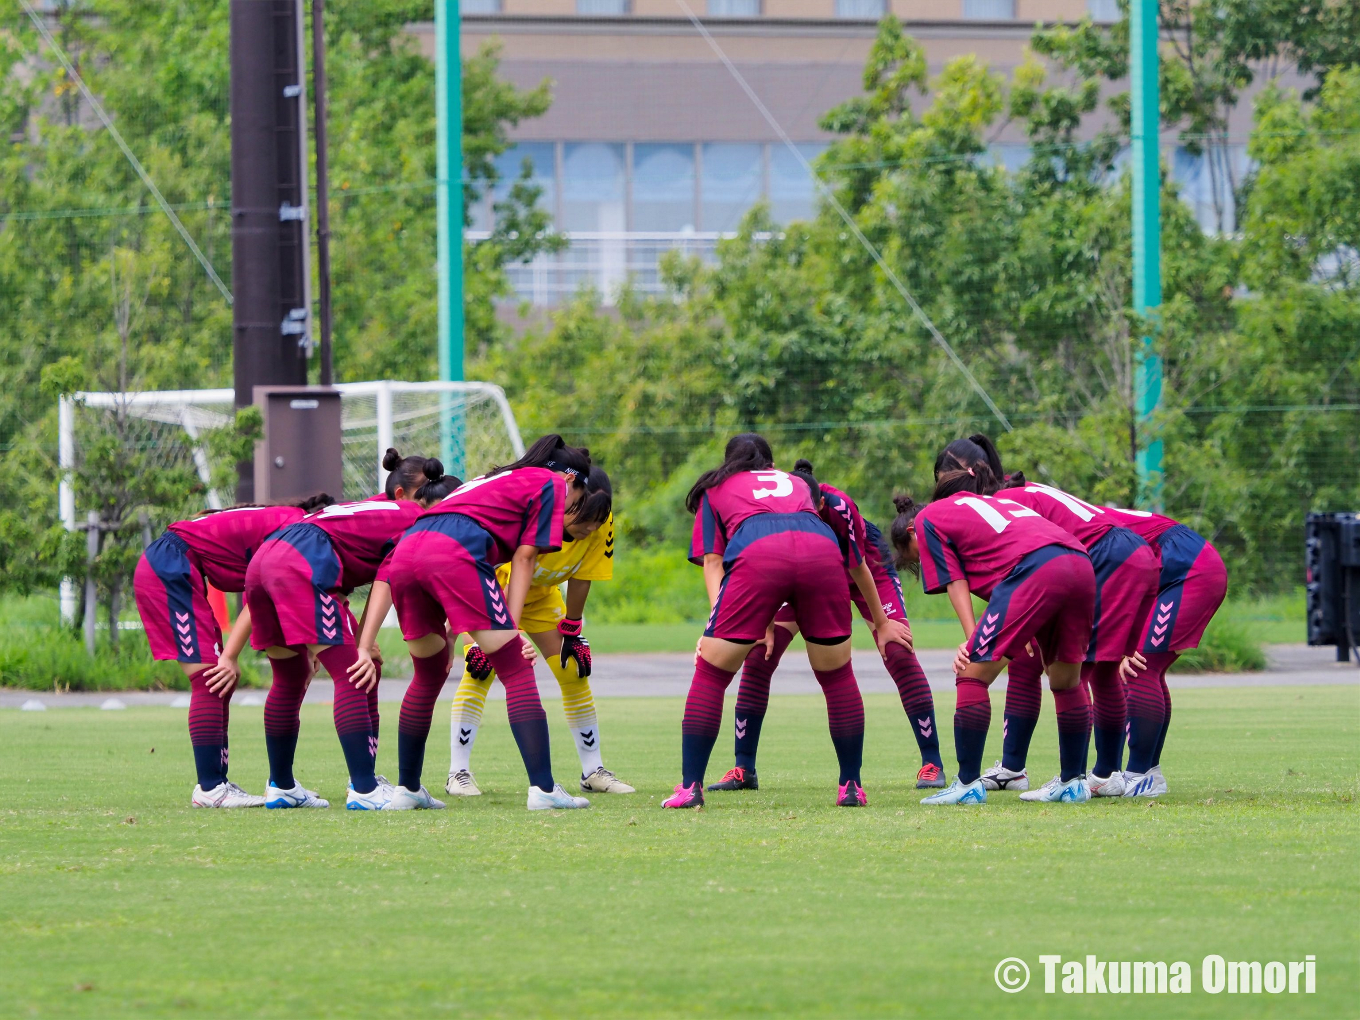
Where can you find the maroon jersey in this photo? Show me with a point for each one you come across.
(1143, 523)
(520, 507)
(1088, 523)
(363, 534)
(843, 517)
(223, 542)
(727, 505)
(980, 539)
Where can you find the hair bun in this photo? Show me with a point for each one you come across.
(903, 503)
(433, 470)
(391, 459)
(803, 465)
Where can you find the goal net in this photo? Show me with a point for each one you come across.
(468, 424)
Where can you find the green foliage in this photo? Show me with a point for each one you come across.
(1228, 646)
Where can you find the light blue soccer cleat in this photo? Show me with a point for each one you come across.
(1145, 784)
(1055, 791)
(959, 793)
(412, 800)
(376, 799)
(298, 797)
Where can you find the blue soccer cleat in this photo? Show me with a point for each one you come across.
(1055, 791)
(959, 793)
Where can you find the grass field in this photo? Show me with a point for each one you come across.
(119, 899)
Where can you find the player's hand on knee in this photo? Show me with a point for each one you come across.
(768, 640)
(478, 665)
(221, 676)
(363, 674)
(962, 659)
(574, 646)
(893, 631)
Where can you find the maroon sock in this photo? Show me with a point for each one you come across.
(753, 695)
(281, 721)
(1108, 711)
(1162, 667)
(1074, 729)
(208, 732)
(703, 719)
(417, 709)
(524, 708)
(917, 701)
(373, 712)
(352, 725)
(845, 718)
(1024, 695)
(972, 719)
(1148, 703)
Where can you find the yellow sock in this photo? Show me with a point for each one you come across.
(469, 702)
(579, 707)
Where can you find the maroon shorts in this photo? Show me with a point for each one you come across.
(441, 571)
(1047, 601)
(889, 596)
(291, 591)
(1126, 570)
(172, 598)
(782, 558)
(1191, 588)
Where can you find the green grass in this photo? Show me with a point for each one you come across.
(120, 900)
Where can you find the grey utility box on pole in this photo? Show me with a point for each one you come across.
(301, 453)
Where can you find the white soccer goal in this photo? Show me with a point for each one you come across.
(374, 416)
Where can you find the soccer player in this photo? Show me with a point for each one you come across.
(876, 591)
(1126, 572)
(1191, 586)
(554, 625)
(1039, 587)
(442, 579)
(297, 589)
(761, 544)
(170, 586)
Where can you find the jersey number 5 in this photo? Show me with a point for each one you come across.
(992, 515)
(783, 484)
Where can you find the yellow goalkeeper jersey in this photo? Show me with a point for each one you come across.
(586, 559)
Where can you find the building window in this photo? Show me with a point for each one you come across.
(793, 196)
(593, 187)
(863, 10)
(734, 8)
(989, 10)
(479, 6)
(543, 175)
(1103, 10)
(663, 188)
(602, 8)
(731, 176)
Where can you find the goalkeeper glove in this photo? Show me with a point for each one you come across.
(574, 646)
(478, 665)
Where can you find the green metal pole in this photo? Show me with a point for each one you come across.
(1147, 240)
(448, 93)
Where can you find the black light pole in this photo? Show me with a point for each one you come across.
(323, 215)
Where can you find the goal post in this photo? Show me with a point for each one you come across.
(374, 416)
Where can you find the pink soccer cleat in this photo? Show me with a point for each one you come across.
(691, 796)
(852, 795)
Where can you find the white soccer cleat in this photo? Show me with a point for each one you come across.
(376, 799)
(412, 800)
(299, 796)
(998, 778)
(1055, 791)
(227, 795)
(461, 784)
(959, 793)
(559, 799)
(1145, 784)
(604, 781)
(1111, 786)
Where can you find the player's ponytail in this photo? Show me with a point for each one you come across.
(407, 473)
(803, 469)
(901, 531)
(978, 479)
(321, 499)
(553, 453)
(436, 489)
(597, 501)
(959, 455)
(746, 452)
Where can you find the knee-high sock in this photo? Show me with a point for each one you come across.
(373, 711)
(1074, 729)
(1166, 721)
(703, 719)
(579, 707)
(914, 690)
(528, 721)
(1024, 694)
(469, 702)
(972, 719)
(845, 718)
(1148, 703)
(417, 709)
(1108, 714)
(353, 724)
(753, 695)
(281, 722)
(208, 732)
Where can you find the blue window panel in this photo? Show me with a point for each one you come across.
(793, 196)
(732, 183)
(593, 186)
(663, 187)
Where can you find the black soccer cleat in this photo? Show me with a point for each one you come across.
(737, 778)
